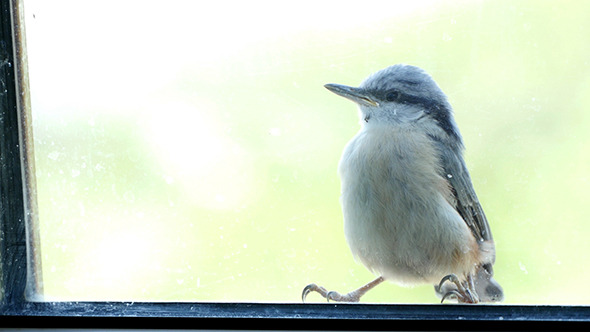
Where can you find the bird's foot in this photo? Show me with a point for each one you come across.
(330, 295)
(463, 292)
(353, 296)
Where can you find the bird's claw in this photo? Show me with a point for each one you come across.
(330, 295)
(313, 288)
(462, 293)
(354, 296)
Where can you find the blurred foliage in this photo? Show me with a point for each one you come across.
(220, 183)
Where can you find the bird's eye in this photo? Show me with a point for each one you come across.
(392, 96)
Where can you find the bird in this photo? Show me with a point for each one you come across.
(411, 214)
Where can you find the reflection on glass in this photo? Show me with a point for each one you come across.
(188, 151)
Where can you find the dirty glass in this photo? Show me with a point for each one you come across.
(187, 151)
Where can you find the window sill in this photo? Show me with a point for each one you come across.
(291, 316)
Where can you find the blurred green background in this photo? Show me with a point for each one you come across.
(187, 151)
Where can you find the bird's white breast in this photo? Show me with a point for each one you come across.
(397, 217)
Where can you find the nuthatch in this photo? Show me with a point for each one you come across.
(411, 215)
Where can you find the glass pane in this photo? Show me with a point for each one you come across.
(187, 151)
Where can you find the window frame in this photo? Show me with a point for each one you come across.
(17, 200)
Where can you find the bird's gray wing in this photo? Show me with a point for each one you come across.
(466, 202)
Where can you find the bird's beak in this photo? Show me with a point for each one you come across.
(357, 95)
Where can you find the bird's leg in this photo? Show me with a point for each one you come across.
(465, 290)
(353, 296)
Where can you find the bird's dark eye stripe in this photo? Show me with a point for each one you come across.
(397, 96)
(438, 111)
(392, 95)
(428, 104)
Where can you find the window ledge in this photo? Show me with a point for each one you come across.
(291, 316)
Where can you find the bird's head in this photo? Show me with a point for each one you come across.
(400, 95)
